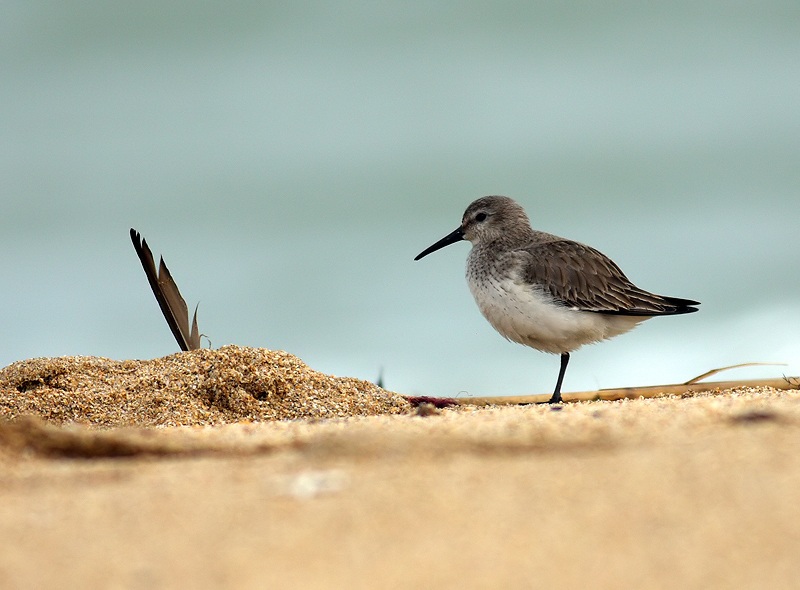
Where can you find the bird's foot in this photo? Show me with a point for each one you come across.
(556, 399)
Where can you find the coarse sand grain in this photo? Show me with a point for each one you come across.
(277, 476)
(200, 387)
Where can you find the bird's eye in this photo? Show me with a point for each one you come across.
(480, 217)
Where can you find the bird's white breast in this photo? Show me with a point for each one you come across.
(528, 315)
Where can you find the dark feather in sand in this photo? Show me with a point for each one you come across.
(168, 296)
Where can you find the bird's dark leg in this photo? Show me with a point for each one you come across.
(556, 399)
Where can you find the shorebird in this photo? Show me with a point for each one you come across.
(547, 292)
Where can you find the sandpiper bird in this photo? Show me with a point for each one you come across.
(546, 292)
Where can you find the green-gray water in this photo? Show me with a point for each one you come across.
(290, 161)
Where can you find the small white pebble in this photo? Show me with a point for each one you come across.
(309, 484)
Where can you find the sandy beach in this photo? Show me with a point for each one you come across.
(263, 473)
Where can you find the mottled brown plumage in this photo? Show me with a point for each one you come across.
(584, 278)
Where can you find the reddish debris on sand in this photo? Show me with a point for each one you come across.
(439, 402)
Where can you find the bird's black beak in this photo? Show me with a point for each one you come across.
(450, 238)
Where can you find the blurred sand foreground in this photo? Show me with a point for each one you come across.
(358, 491)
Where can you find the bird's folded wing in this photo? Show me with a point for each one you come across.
(584, 278)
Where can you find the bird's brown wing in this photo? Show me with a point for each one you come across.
(584, 278)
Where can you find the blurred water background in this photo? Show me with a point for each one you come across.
(290, 159)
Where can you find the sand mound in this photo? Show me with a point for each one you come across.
(200, 387)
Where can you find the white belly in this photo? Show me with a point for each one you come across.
(525, 314)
